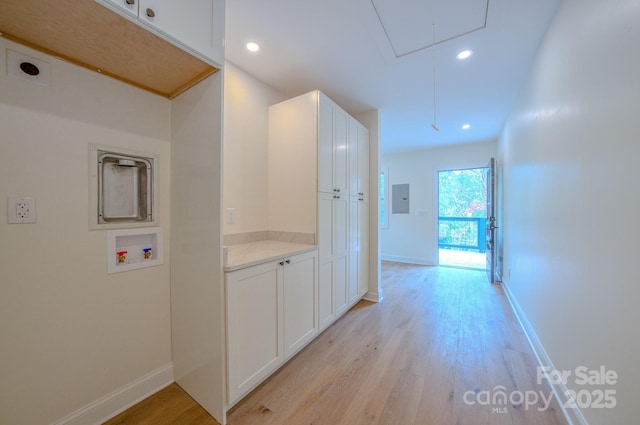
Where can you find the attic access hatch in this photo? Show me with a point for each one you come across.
(408, 24)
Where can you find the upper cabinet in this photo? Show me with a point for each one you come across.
(197, 26)
(333, 135)
(314, 146)
(180, 44)
(358, 151)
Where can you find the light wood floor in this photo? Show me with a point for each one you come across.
(439, 334)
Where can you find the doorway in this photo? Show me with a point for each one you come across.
(462, 218)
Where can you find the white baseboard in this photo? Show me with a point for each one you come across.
(574, 416)
(121, 399)
(409, 260)
(373, 297)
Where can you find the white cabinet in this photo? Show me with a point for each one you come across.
(325, 260)
(333, 133)
(196, 26)
(300, 301)
(316, 150)
(333, 241)
(254, 326)
(271, 314)
(363, 243)
(358, 247)
(358, 148)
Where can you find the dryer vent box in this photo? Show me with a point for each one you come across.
(124, 185)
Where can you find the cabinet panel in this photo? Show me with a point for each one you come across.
(340, 140)
(363, 161)
(293, 162)
(334, 248)
(358, 159)
(326, 309)
(325, 226)
(325, 145)
(340, 279)
(358, 248)
(352, 153)
(300, 296)
(340, 252)
(326, 312)
(363, 253)
(340, 210)
(196, 24)
(354, 248)
(255, 325)
(333, 133)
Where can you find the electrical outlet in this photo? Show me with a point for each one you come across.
(21, 210)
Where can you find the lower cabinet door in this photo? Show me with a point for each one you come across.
(325, 293)
(254, 326)
(300, 301)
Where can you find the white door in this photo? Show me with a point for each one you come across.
(340, 145)
(363, 243)
(363, 161)
(255, 325)
(300, 318)
(340, 252)
(325, 259)
(491, 221)
(325, 146)
(196, 24)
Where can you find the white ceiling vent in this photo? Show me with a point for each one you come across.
(408, 24)
(28, 68)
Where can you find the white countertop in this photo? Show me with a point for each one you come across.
(249, 254)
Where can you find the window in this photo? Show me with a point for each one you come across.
(384, 189)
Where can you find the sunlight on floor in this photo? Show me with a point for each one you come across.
(451, 257)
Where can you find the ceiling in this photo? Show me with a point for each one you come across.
(379, 54)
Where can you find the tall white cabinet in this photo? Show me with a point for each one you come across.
(318, 183)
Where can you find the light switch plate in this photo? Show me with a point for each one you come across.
(231, 215)
(21, 210)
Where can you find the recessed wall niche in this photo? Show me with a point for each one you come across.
(122, 188)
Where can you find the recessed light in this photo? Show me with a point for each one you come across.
(466, 126)
(464, 54)
(252, 46)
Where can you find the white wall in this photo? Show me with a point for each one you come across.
(197, 288)
(71, 334)
(246, 103)
(413, 237)
(570, 154)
